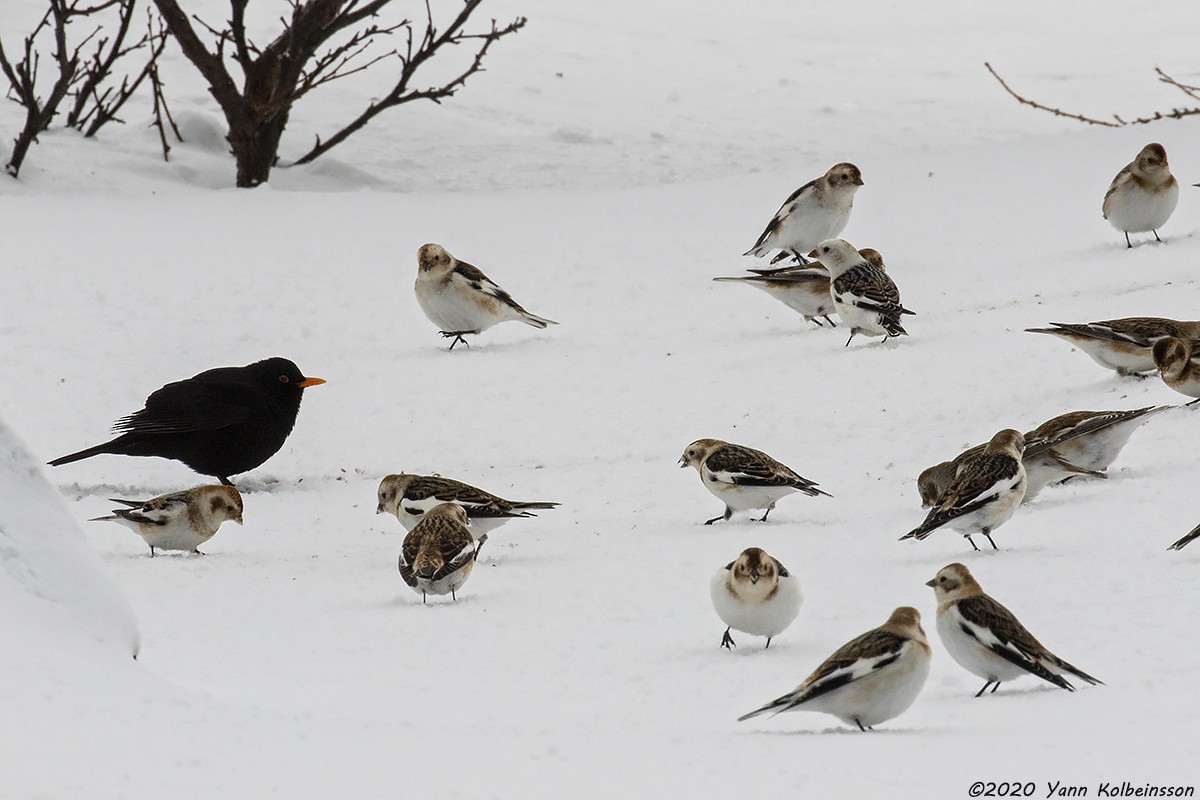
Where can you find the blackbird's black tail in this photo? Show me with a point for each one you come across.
(112, 447)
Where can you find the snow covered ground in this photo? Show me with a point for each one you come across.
(606, 166)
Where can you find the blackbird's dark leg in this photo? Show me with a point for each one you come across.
(224, 481)
(727, 641)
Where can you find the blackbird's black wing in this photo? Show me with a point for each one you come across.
(210, 401)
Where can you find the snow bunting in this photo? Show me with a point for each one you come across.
(863, 294)
(1078, 443)
(869, 680)
(1179, 364)
(816, 211)
(439, 553)
(1182, 543)
(984, 493)
(985, 638)
(180, 520)
(804, 290)
(410, 496)
(460, 299)
(755, 594)
(743, 478)
(1143, 195)
(1124, 344)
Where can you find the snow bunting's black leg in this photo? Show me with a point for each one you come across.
(832, 324)
(852, 332)
(422, 598)
(1156, 237)
(860, 725)
(1128, 244)
(770, 508)
(457, 336)
(988, 533)
(714, 519)
(972, 541)
(769, 638)
(800, 258)
(984, 689)
(727, 641)
(995, 687)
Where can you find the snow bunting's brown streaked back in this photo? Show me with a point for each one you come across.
(1143, 195)
(180, 520)
(460, 299)
(743, 478)
(985, 492)
(865, 297)
(439, 553)
(1182, 543)
(869, 680)
(755, 594)
(816, 211)
(1125, 344)
(410, 496)
(985, 638)
(1178, 363)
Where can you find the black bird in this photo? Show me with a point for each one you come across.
(222, 422)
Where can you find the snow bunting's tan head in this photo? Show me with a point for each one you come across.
(1176, 362)
(752, 566)
(905, 621)
(433, 256)
(844, 176)
(873, 257)
(953, 582)
(1151, 163)
(1007, 441)
(390, 492)
(221, 503)
(697, 451)
(451, 511)
(838, 255)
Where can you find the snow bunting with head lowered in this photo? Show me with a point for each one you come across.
(816, 211)
(1143, 195)
(410, 496)
(986, 639)
(984, 493)
(755, 594)
(864, 296)
(1178, 362)
(1182, 543)
(460, 299)
(1078, 443)
(869, 680)
(439, 552)
(743, 478)
(1123, 345)
(180, 520)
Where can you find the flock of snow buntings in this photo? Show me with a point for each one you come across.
(876, 676)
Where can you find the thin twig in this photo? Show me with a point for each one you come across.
(1055, 111)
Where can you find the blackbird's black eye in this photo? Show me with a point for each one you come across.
(283, 378)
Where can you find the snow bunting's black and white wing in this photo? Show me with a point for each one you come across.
(744, 466)
(980, 481)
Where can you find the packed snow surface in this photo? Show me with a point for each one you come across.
(611, 160)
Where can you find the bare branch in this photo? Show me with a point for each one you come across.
(411, 59)
(1176, 113)
(1055, 111)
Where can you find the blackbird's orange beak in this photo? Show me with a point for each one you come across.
(304, 384)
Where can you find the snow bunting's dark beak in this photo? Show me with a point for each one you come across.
(304, 384)
(379, 508)
(858, 182)
(754, 576)
(931, 582)
(682, 462)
